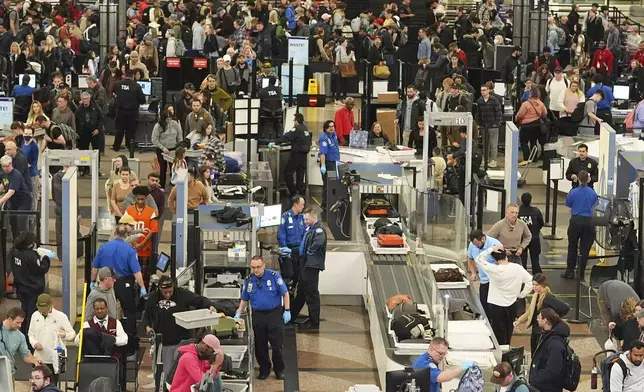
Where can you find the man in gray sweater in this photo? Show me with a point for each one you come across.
(513, 233)
(104, 289)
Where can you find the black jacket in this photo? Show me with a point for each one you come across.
(28, 271)
(548, 362)
(299, 138)
(21, 165)
(509, 66)
(89, 118)
(315, 247)
(594, 30)
(462, 26)
(472, 51)
(534, 219)
(129, 95)
(6, 39)
(210, 45)
(446, 36)
(375, 55)
(264, 44)
(576, 165)
(159, 313)
(417, 113)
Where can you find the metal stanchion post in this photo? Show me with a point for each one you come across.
(547, 215)
(553, 232)
(578, 280)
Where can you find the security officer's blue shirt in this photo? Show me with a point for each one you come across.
(291, 229)
(329, 146)
(425, 361)
(118, 255)
(582, 200)
(264, 293)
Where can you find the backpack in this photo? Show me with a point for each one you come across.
(71, 137)
(228, 214)
(561, 37)
(519, 383)
(572, 369)
(472, 380)
(412, 326)
(186, 36)
(179, 48)
(606, 365)
(355, 24)
(579, 113)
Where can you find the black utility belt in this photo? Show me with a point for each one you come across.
(269, 310)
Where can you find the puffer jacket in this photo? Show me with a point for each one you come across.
(548, 361)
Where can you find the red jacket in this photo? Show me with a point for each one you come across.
(639, 56)
(344, 123)
(463, 56)
(190, 369)
(605, 60)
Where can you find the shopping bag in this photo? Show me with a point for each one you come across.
(358, 139)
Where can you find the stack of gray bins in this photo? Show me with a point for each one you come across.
(324, 83)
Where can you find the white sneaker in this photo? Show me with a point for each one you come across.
(492, 164)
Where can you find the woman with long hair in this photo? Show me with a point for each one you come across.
(119, 163)
(149, 55)
(203, 176)
(568, 99)
(542, 299)
(343, 55)
(201, 136)
(179, 164)
(628, 329)
(166, 136)
(50, 56)
(35, 111)
(120, 190)
(528, 116)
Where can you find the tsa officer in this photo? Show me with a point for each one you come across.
(128, 98)
(120, 256)
(581, 229)
(329, 154)
(312, 258)
(265, 290)
(300, 139)
(585, 163)
(289, 236)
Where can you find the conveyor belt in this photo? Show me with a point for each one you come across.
(388, 259)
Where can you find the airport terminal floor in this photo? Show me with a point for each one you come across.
(340, 354)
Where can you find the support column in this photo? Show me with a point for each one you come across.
(181, 220)
(511, 162)
(606, 161)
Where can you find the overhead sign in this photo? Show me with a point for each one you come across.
(173, 62)
(298, 50)
(6, 113)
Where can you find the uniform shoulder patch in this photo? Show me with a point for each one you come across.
(280, 281)
(324, 144)
(319, 230)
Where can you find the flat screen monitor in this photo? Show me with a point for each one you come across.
(621, 92)
(32, 80)
(82, 81)
(398, 380)
(272, 216)
(146, 86)
(499, 88)
(163, 262)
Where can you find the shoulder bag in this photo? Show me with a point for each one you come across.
(544, 123)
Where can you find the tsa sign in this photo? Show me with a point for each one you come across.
(298, 50)
(6, 112)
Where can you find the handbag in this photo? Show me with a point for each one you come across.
(381, 71)
(544, 123)
(358, 138)
(348, 70)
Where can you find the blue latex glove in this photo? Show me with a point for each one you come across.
(286, 316)
(286, 250)
(466, 365)
(144, 292)
(323, 169)
(92, 285)
(271, 145)
(237, 315)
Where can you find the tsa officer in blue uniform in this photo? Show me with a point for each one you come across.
(312, 258)
(581, 229)
(289, 236)
(329, 154)
(265, 290)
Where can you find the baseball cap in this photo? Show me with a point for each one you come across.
(165, 282)
(43, 303)
(546, 49)
(500, 372)
(212, 342)
(127, 220)
(558, 69)
(227, 58)
(517, 47)
(188, 86)
(104, 273)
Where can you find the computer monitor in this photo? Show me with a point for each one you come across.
(82, 81)
(499, 88)
(621, 92)
(32, 80)
(272, 216)
(397, 380)
(376, 142)
(163, 262)
(146, 86)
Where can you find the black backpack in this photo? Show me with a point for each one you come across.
(411, 326)
(579, 113)
(572, 369)
(391, 228)
(228, 214)
(186, 36)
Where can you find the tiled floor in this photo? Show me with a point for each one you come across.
(340, 354)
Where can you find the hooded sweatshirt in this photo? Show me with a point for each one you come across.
(547, 368)
(108, 295)
(190, 369)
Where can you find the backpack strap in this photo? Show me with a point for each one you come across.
(625, 371)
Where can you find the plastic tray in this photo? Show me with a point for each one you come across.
(237, 354)
(235, 387)
(199, 318)
(379, 250)
(450, 285)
